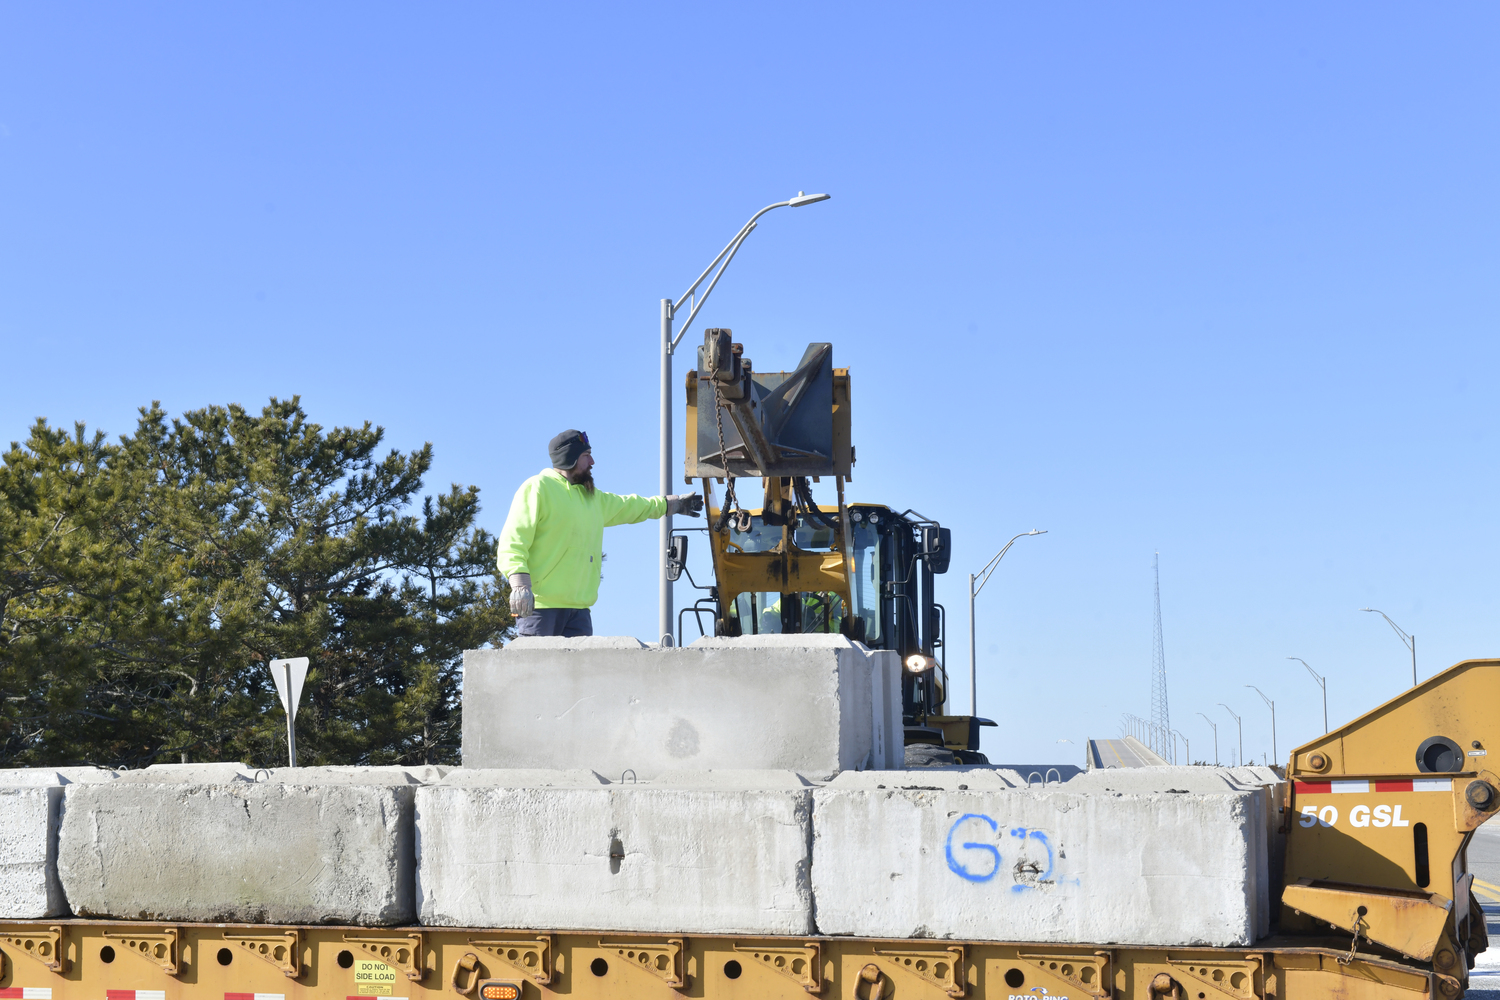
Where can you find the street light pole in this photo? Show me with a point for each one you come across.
(1216, 737)
(1185, 745)
(983, 576)
(668, 347)
(1268, 701)
(1409, 641)
(1240, 723)
(1322, 683)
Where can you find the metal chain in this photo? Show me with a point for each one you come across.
(730, 500)
(1346, 959)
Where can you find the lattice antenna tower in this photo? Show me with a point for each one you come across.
(1161, 724)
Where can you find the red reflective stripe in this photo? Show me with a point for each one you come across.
(120, 994)
(239, 996)
(1314, 787)
(11, 993)
(1393, 786)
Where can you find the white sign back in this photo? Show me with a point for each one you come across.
(288, 675)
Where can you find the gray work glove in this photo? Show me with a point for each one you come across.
(690, 504)
(522, 601)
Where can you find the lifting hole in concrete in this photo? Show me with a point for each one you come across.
(732, 969)
(1015, 978)
(346, 959)
(106, 954)
(599, 967)
(1237, 980)
(225, 956)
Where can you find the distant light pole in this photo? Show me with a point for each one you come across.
(983, 576)
(1268, 701)
(668, 346)
(1188, 747)
(1240, 723)
(1322, 683)
(1409, 641)
(1216, 737)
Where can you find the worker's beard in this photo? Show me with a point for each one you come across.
(584, 479)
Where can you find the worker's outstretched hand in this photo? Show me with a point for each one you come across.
(690, 504)
(522, 602)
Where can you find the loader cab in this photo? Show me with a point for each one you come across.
(895, 557)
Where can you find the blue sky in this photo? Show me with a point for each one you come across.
(1211, 281)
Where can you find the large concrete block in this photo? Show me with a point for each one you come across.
(301, 851)
(700, 854)
(1265, 787)
(818, 704)
(1040, 865)
(30, 799)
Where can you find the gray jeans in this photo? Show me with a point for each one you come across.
(556, 621)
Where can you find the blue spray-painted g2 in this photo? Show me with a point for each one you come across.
(986, 865)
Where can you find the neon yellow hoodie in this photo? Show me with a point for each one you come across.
(555, 532)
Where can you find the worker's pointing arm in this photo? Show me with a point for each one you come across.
(630, 508)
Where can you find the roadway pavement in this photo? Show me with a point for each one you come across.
(1120, 753)
(1484, 863)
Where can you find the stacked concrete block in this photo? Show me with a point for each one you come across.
(30, 801)
(1264, 788)
(705, 853)
(818, 704)
(308, 849)
(926, 858)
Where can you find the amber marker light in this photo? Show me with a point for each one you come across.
(500, 991)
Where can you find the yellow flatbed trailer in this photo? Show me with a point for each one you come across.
(125, 960)
(1376, 904)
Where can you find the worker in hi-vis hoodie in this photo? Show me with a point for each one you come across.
(553, 539)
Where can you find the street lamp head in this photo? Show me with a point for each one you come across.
(807, 199)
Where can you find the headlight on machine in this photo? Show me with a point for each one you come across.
(919, 663)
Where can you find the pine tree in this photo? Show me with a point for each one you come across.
(196, 549)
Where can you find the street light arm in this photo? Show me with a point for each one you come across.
(1405, 638)
(984, 575)
(732, 249)
(744, 231)
(1322, 681)
(1262, 694)
(1210, 722)
(1230, 711)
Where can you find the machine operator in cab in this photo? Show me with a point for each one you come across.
(553, 540)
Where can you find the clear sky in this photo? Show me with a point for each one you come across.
(1215, 281)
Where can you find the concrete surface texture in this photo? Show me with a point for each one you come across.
(1050, 866)
(239, 851)
(1268, 843)
(30, 799)
(708, 860)
(29, 889)
(818, 704)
